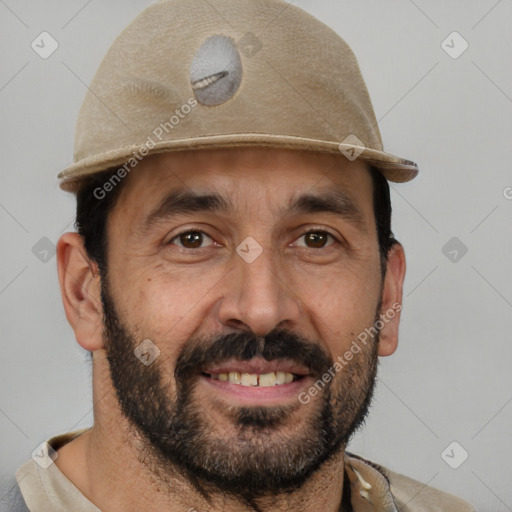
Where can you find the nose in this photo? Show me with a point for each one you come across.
(258, 297)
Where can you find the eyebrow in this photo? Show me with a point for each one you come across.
(335, 202)
(183, 202)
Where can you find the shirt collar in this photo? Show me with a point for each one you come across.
(369, 488)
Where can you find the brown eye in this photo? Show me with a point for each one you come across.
(192, 240)
(316, 240)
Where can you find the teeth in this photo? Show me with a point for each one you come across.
(268, 379)
(253, 379)
(249, 379)
(234, 377)
(280, 377)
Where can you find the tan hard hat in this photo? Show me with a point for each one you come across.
(194, 74)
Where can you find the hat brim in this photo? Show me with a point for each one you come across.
(394, 168)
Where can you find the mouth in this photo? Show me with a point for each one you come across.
(257, 382)
(257, 372)
(262, 380)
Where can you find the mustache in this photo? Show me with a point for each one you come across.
(243, 346)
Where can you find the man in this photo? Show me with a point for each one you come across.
(234, 274)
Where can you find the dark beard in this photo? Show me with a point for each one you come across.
(263, 459)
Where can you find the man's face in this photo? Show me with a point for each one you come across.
(251, 271)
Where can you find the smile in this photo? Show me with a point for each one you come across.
(257, 381)
(254, 379)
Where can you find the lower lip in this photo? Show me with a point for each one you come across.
(280, 394)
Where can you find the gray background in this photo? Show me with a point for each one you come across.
(450, 379)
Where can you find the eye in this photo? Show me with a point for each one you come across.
(316, 240)
(192, 240)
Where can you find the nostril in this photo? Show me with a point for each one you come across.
(238, 324)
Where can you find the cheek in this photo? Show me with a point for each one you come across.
(341, 305)
(167, 305)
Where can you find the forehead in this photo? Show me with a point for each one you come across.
(243, 176)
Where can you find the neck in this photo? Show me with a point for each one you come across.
(106, 465)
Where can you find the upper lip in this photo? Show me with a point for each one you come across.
(258, 365)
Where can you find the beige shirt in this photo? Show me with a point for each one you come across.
(373, 488)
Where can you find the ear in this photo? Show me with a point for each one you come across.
(80, 288)
(392, 294)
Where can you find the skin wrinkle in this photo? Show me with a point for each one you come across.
(289, 303)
